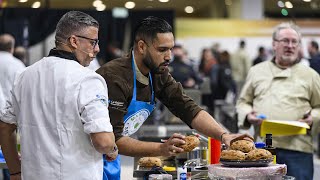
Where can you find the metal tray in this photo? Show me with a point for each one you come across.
(246, 163)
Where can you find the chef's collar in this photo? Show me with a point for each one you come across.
(62, 54)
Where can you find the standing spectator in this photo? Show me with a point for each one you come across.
(240, 64)
(182, 71)
(207, 63)
(284, 89)
(313, 49)
(261, 56)
(9, 65)
(221, 78)
(61, 110)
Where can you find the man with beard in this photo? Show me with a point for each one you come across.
(284, 89)
(135, 81)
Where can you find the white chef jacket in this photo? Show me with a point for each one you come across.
(9, 68)
(56, 104)
(2, 99)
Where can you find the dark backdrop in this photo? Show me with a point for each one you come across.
(31, 26)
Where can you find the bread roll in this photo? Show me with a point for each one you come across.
(150, 161)
(243, 145)
(258, 154)
(232, 155)
(191, 143)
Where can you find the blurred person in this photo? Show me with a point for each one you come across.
(9, 65)
(284, 89)
(313, 49)
(113, 51)
(182, 71)
(261, 56)
(135, 81)
(61, 110)
(207, 62)
(216, 51)
(302, 59)
(21, 53)
(221, 78)
(240, 64)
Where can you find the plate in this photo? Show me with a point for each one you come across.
(246, 163)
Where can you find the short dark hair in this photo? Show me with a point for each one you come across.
(261, 49)
(315, 45)
(149, 27)
(73, 22)
(242, 43)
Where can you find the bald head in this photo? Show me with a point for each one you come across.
(6, 43)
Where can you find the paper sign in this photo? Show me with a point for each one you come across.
(283, 128)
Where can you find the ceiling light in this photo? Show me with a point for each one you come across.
(96, 3)
(280, 4)
(188, 9)
(307, 0)
(101, 7)
(36, 4)
(130, 5)
(23, 1)
(289, 4)
(163, 0)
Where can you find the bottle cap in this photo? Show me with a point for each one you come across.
(268, 136)
(260, 145)
(261, 116)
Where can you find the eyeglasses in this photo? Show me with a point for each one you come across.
(286, 42)
(93, 42)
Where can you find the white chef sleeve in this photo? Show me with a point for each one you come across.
(8, 113)
(93, 104)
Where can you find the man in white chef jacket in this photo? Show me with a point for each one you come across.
(61, 110)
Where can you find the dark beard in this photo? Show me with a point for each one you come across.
(152, 66)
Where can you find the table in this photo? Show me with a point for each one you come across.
(234, 172)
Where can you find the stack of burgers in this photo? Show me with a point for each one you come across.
(245, 150)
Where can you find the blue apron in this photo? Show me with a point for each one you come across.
(138, 112)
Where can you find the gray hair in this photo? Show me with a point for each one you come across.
(73, 22)
(285, 25)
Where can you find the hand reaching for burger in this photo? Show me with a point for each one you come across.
(171, 146)
(228, 139)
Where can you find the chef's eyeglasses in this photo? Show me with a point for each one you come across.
(93, 42)
(286, 42)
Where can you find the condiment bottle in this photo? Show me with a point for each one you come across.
(270, 148)
(182, 173)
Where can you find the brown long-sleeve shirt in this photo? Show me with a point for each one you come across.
(118, 74)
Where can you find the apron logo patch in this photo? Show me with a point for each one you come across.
(134, 122)
(116, 103)
(102, 99)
